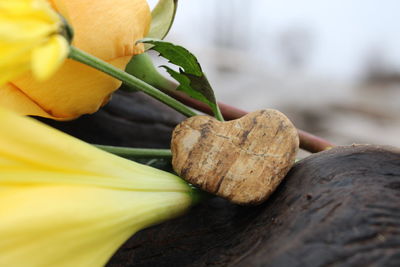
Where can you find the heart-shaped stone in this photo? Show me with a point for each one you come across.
(243, 160)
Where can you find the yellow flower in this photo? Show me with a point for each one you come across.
(29, 39)
(66, 203)
(106, 29)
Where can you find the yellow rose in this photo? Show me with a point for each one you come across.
(106, 29)
(66, 203)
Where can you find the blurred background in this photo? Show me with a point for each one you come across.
(332, 66)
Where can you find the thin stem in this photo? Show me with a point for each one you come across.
(308, 141)
(218, 114)
(137, 152)
(142, 67)
(128, 79)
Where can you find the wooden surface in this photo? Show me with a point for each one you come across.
(243, 160)
(335, 208)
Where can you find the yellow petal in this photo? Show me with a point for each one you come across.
(47, 58)
(66, 203)
(74, 89)
(21, 20)
(11, 71)
(58, 225)
(24, 26)
(44, 152)
(15, 53)
(12, 98)
(108, 29)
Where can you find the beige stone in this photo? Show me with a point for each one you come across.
(243, 160)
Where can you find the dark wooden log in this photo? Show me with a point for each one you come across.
(335, 208)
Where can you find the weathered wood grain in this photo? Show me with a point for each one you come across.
(335, 208)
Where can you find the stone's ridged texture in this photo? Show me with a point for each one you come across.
(335, 208)
(243, 160)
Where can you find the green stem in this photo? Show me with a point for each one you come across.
(218, 114)
(142, 67)
(128, 79)
(137, 152)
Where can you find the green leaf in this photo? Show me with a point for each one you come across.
(142, 67)
(176, 54)
(193, 85)
(191, 78)
(163, 16)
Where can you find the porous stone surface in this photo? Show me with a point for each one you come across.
(243, 160)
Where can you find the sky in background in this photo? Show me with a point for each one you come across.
(337, 35)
